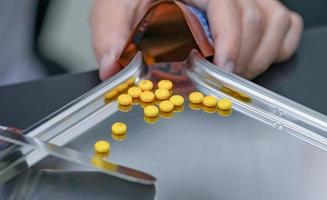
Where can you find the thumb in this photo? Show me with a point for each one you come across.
(111, 22)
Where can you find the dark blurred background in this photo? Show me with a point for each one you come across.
(40, 38)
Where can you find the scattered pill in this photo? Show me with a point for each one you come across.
(224, 104)
(134, 92)
(122, 87)
(162, 93)
(111, 94)
(151, 111)
(166, 106)
(177, 100)
(196, 97)
(146, 85)
(209, 101)
(167, 84)
(125, 99)
(119, 128)
(147, 96)
(102, 146)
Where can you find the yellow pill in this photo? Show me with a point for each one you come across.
(146, 85)
(209, 101)
(134, 92)
(196, 97)
(102, 146)
(224, 104)
(151, 111)
(147, 96)
(125, 99)
(122, 87)
(166, 106)
(177, 100)
(162, 93)
(111, 94)
(119, 128)
(167, 84)
(130, 81)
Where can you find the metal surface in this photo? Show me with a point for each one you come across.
(96, 163)
(250, 154)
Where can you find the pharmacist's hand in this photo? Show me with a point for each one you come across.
(111, 22)
(250, 35)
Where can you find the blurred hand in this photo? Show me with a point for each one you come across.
(249, 35)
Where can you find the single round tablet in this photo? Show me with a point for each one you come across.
(167, 84)
(177, 100)
(162, 93)
(134, 92)
(146, 85)
(147, 96)
(102, 146)
(125, 99)
(151, 111)
(166, 106)
(122, 87)
(111, 94)
(196, 97)
(224, 104)
(209, 101)
(119, 128)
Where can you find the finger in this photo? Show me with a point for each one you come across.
(111, 25)
(225, 24)
(292, 38)
(277, 25)
(252, 29)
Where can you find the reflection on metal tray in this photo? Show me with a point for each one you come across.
(45, 184)
(268, 147)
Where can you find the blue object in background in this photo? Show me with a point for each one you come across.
(202, 17)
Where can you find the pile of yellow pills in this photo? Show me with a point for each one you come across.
(147, 96)
(102, 146)
(146, 85)
(177, 100)
(166, 106)
(196, 97)
(125, 100)
(119, 128)
(134, 92)
(167, 84)
(111, 94)
(224, 104)
(209, 101)
(151, 111)
(162, 93)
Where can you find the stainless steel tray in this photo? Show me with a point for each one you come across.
(269, 147)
